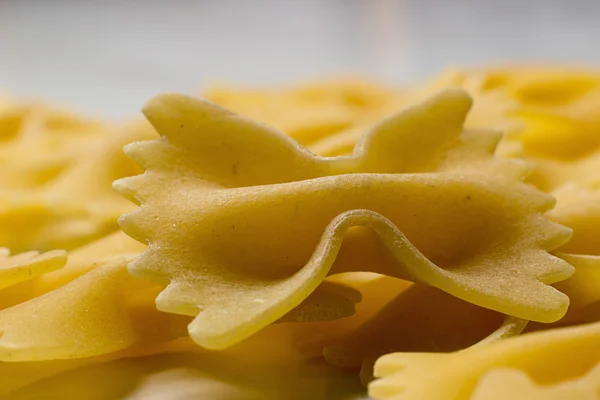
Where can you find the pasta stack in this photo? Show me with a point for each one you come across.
(333, 240)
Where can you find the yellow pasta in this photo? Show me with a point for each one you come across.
(406, 233)
(76, 207)
(425, 319)
(18, 375)
(578, 207)
(551, 111)
(503, 383)
(38, 143)
(574, 185)
(116, 246)
(492, 109)
(560, 106)
(21, 267)
(89, 307)
(421, 318)
(548, 357)
(265, 226)
(93, 307)
(317, 112)
(304, 121)
(101, 312)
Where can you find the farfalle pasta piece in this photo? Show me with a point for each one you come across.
(548, 357)
(38, 143)
(313, 112)
(101, 312)
(77, 207)
(558, 116)
(87, 308)
(58, 195)
(557, 108)
(560, 106)
(22, 267)
(115, 246)
(505, 383)
(243, 223)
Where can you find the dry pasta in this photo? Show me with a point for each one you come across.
(437, 241)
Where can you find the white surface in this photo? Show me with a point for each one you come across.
(108, 57)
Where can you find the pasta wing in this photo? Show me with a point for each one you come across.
(22, 267)
(505, 383)
(548, 357)
(101, 312)
(78, 262)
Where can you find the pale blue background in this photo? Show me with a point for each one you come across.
(108, 57)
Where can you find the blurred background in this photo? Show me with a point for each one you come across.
(107, 58)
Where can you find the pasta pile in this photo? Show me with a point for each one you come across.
(326, 240)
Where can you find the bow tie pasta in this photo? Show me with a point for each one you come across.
(504, 383)
(74, 206)
(313, 112)
(551, 116)
(559, 106)
(243, 223)
(38, 143)
(548, 357)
